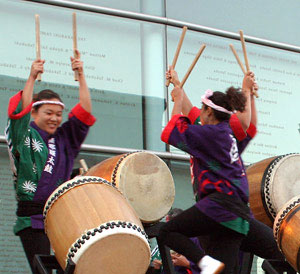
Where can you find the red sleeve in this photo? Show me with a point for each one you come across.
(251, 131)
(13, 104)
(82, 115)
(165, 135)
(236, 127)
(194, 114)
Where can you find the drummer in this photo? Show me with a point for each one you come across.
(42, 151)
(219, 178)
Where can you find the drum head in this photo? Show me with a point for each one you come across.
(117, 253)
(147, 183)
(284, 182)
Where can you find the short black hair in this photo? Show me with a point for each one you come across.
(45, 94)
(232, 100)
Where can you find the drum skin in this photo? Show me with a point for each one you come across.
(273, 182)
(90, 207)
(255, 174)
(287, 230)
(144, 179)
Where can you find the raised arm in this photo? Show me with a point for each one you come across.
(177, 96)
(246, 116)
(171, 75)
(253, 107)
(36, 68)
(84, 93)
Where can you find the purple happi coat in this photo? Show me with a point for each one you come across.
(218, 174)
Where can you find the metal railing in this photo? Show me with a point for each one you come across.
(164, 21)
(159, 20)
(121, 150)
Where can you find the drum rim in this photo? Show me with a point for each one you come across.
(62, 189)
(115, 170)
(107, 229)
(266, 186)
(285, 210)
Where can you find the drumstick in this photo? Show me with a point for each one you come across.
(237, 58)
(177, 51)
(192, 65)
(37, 42)
(244, 50)
(241, 65)
(84, 165)
(246, 57)
(75, 43)
(81, 171)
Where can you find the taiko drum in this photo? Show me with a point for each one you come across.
(144, 179)
(88, 220)
(273, 182)
(287, 230)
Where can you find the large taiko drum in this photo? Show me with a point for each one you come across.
(273, 182)
(88, 220)
(144, 179)
(287, 231)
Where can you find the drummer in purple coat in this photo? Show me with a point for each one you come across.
(218, 177)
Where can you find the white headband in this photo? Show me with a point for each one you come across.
(48, 102)
(209, 103)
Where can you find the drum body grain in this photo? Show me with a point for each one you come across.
(88, 220)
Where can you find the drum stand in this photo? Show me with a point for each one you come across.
(152, 232)
(43, 264)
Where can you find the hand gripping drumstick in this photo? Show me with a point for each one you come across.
(241, 65)
(75, 43)
(246, 57)
(37, 42)
(192, 65)
(177, 51)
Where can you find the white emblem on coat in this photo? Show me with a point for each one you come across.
(234, 152)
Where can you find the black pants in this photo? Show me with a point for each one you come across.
(34, 241)
(224, 244)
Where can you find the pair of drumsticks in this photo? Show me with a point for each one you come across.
(245, 57)
(177, 54)
(38, 42)
(200, 52)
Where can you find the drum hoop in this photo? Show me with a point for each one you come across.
(80, 181)
(114, 173)
(266, 186)
(294, 202)
(107, 229)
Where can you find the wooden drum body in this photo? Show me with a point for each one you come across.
(88, 220)
(144, 179)
(273, 182)
(287, 231)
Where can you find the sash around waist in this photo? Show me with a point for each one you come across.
(232, 203)
(29, 208)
